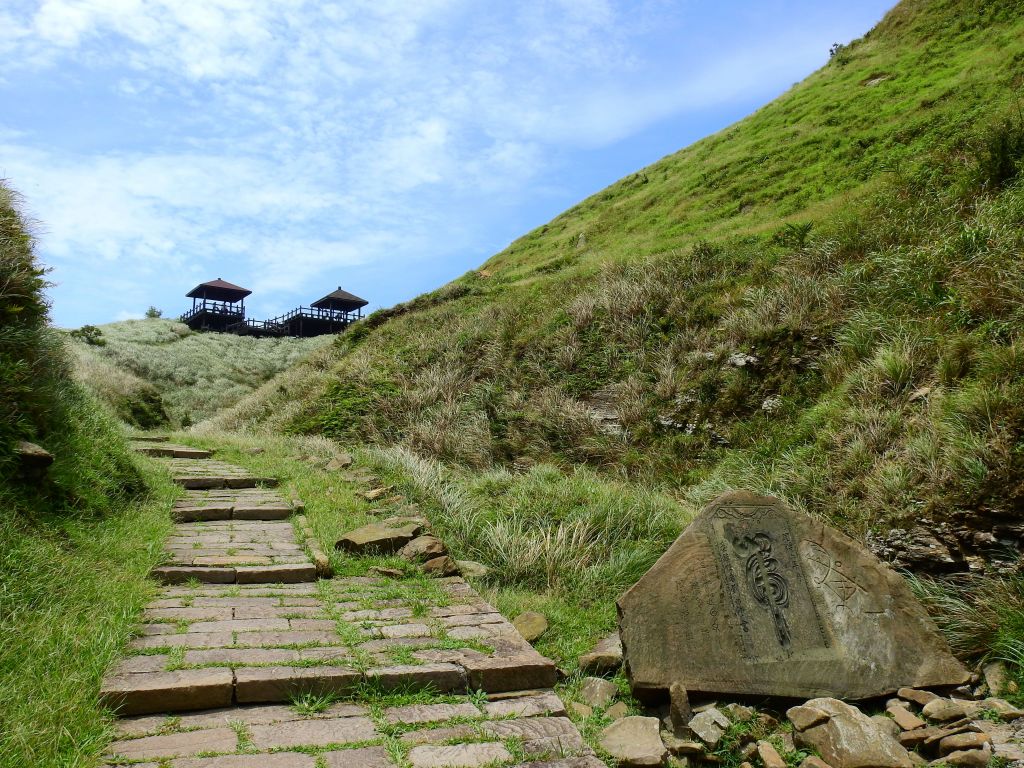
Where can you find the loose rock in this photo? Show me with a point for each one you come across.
(770, 756)
(531, 625)
(581, 711)
(605, 658)
(473, 569)
(963, 741)
(814, 762)
(850, 739)
(709, 726)
(973, 758)
(634, 741)
(339, 462)
(805, 717)
(679, 710)
(904, 718)
(617, 711)
(597, 692)
(377, 538)
(995, 677)
(943, 710)
(441, 566)
(917, 697)
(423, 548)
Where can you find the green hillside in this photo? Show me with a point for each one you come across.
(76, 539)
(822, 301)
(153, 372)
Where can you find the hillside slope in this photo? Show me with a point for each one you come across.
(822, 301)
(76, 540)
(156, 371)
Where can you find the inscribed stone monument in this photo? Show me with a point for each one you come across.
(754, 598)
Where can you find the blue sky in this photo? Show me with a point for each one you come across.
(387, 147)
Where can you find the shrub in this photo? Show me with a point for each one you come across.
(153, 313)
(90, 334)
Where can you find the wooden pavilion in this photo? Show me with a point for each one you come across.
(216, 305)
(331, 314)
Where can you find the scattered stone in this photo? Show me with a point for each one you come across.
(917, 697)
(851, 739)
(634, 741)
(617, 711)
(376, 538)
(34, 459)
(1006, 710)
(737, 713)
(944, 710)
(741, 360)
(605, 658)
(709, 726)
(904, 718)
(581, 711)
(531, 625)
(441, 566)
(376, 493)
(814, 762)
(342, 461)
(919, 394)
(422, 548)
(770, 756)
(597, 692)
(756, 599)
(679, 710)
(388, 573)
(681, 747)
(804, 717)
(460, 755)
(963, 741)
(973, 758)
(473, 569)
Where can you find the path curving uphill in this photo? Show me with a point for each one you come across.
(249, 658)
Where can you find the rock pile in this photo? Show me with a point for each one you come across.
(917, 727)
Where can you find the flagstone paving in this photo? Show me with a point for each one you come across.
(412, 673)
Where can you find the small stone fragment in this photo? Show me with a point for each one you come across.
(943, 710)
(769, 755)
(441, 566)
(605, 658)
(1006, 710)
(888, 725)
(963, 741)
(679, 710)
(709, 726)
(617, 711)
(389, 573)
(814, 762)
(376, 493)
(634, 741)
(597, 692)
(995, 677)
(423, 548)
(737, 713)
(531, 625)
(904, 718)
(917, 696)
(581, 711)
(473, 569)
(681, 747)
(805, 717)
(972, 758)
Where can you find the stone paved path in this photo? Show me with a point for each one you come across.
(243, 630)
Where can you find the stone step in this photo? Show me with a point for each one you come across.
(233, 504)
(148, 438)
(171, 450)
(212, 474)
(235, 552)
(202, 646)
(456, 732)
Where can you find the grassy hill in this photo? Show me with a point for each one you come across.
(153, 372)
(822, 301)
(76, 541)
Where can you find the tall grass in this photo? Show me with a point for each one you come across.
(156, 371)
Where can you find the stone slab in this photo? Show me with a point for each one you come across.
(146, 693)
(755, 599)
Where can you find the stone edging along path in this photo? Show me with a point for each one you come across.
(244, 626)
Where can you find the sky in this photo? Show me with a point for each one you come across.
(292, 146)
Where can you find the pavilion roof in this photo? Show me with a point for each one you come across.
(219, 290)
(340, 299)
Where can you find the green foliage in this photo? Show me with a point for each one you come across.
(153, 313)
(156, 371)
(75, 546)
(89, 334)
(1000, 153)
